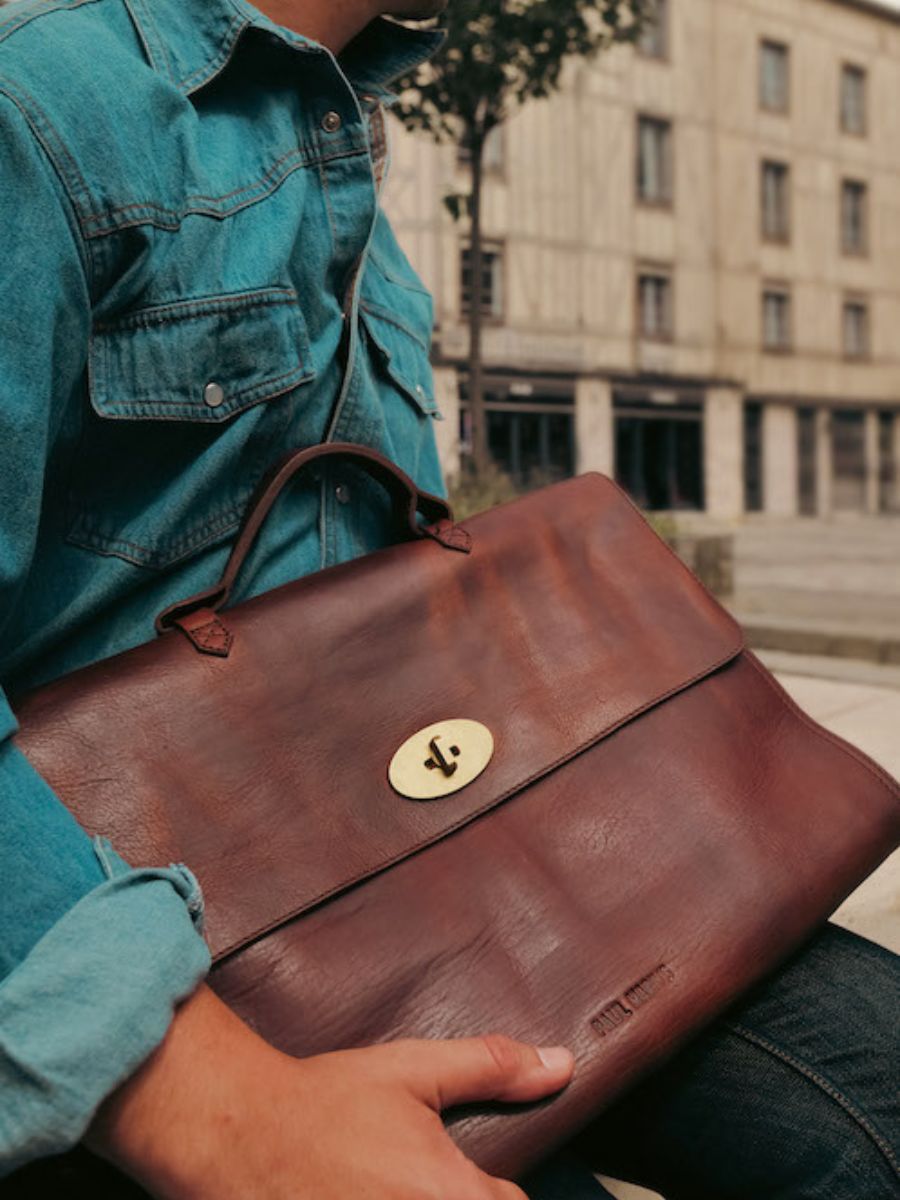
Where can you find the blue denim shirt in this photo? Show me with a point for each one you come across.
(196, 276)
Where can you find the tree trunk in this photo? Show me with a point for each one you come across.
(480, 453)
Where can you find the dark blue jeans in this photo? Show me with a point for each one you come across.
(793, 1095)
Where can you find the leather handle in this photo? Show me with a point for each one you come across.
(407, 498)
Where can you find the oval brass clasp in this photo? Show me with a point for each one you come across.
(441, 759)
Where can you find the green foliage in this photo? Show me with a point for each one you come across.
(500, 53)
(474, 491)
(664, 525)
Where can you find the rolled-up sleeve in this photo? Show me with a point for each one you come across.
(94, 956)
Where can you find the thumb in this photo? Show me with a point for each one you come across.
(446, 1073)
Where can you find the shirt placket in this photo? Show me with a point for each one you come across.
(353, 205)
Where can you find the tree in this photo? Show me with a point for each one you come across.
(499, 54)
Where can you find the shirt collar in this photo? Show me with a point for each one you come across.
(191, 42)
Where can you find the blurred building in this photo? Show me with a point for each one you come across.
(693, 268)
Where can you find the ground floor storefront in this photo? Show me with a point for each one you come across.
(686, 447)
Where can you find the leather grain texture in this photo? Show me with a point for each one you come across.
(658, 828)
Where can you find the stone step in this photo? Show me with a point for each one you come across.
(820, 636)
(865, 601)
(834, 670)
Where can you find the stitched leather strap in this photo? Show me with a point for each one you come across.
(407, 499)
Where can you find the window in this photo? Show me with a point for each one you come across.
(776, 318)
(494, 157)
(533, 447)
(655, 310)
(753, 457)
(848, 461)
(530, 429)
(775, 202)
(853, 100)
(659, 448)
(856, 329)
(491, 284)
(889, 462)
(854, 217)
(774, 77)
(654, 160)
(807, 461)
(654, 38)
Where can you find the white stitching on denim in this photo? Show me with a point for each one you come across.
(828, 1088)
(159, 53)
(10, 26)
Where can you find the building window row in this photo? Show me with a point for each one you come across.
(775, 208)
(774, 72)
(655, 316)
(655, 176)
(655, 305)
(778, 330)
(775, 87)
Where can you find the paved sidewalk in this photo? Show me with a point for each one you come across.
(867, 714)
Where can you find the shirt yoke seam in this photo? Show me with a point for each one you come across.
(16, 21)
(102, 223)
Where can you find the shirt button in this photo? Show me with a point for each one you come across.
(342, 492)
(213, 395)
(332, 122)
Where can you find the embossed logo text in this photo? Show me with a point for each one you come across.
(618, 1011)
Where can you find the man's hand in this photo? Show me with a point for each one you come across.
(218, 1114)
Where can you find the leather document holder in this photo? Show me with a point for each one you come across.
(626, 822)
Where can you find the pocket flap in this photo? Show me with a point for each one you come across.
(403, 353)
(199, 360)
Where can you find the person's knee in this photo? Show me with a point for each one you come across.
(804, 1139)
(734, 1118)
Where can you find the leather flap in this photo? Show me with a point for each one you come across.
(266, 771)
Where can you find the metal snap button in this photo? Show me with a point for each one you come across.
(213, 394)
(342, 493)
(332, 122)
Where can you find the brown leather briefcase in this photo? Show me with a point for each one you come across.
(519, 776)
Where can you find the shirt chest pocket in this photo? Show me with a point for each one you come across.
(189, 403)
(398, 315)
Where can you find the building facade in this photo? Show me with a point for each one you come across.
(693, 268)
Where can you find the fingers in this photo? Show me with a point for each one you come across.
(494, 1067)
(499, 1189)
(476, 1185)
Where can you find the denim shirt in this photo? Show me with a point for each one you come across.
(196, 277)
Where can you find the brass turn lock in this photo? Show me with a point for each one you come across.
(441, 759)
